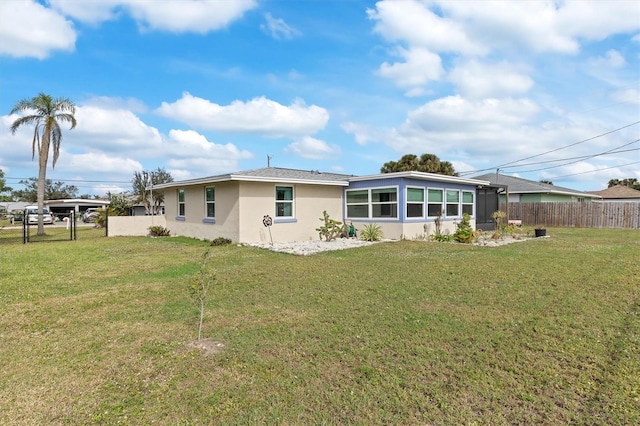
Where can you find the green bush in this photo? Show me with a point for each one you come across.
(464, 232)
(220, 241)
(371, 232)
(158, 231)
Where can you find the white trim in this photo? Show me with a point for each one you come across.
(422, 176)
(276, 201)
(370, 203)
(406, 202)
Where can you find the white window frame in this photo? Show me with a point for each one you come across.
(208, 202)
(182, 205)
(447, 203)
(472, 203)
(421, 204)
(365, 203)
(442, 192)
(371, 204)
(284, 201)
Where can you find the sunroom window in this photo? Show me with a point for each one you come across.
(384, 202)
(434, 202)
(358, 203)
(467, 202)
(453, 203)
(415, 202)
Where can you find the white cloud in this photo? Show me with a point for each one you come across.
(412, 22)
(481, 80)
(190, 155)
(259, 115)
(612, 59)
(278, 28)
(468, 30)
(314, 149)
(111, 130)
(420, 67)
(28, 29)
(198, 16)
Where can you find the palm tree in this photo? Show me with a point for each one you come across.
(45, 113)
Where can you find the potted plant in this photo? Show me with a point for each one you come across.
(540, 231)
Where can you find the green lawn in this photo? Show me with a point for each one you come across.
(539, 332)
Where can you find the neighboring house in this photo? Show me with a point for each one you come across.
(528, 191)
(618, 194)
(78, 205)
(403, 204)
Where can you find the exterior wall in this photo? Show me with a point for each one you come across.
(133, 225)
(257, 199)
(402, 226)
(194, 222)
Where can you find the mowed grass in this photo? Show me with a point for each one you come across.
(539, 332)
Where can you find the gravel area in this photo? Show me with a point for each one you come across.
(306, 248)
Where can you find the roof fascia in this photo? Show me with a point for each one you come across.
(422, 176)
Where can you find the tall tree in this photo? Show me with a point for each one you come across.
(52, 190)
(143, 183)
(630, 182)
(428, 163)
(45, 113)
(4, 188)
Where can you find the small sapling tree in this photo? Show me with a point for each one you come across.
(199, 288)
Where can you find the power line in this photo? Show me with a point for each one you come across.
(597, 170)
(573, 162)
(550, 151)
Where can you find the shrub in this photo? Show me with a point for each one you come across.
(158, 231)
(441, 237)
(220, 241)
(464, 232)
(371, 232)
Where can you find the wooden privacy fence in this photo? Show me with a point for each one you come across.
(578, 215)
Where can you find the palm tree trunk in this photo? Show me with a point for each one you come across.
(43, 155)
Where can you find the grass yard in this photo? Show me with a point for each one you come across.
(539, 332)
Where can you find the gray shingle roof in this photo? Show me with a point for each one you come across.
(524, 186)
(281, 173)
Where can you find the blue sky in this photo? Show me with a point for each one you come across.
(208, 87)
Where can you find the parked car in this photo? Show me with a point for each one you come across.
(32, 215)
(15, 216)
(90, 215)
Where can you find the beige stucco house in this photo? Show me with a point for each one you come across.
(234, 205)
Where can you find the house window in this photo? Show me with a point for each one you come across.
(453, 203)
(467, 203)
(181, 202)
(384, 202)
(358, 203)
(284, 201)
(434, 202)
(415, 202)
(210, 201)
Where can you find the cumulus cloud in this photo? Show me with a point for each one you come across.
(278, 28)
(420, 67)
(259, 115)
(111, 130)
(479, 80)
(612, 59)
(198, 16)
(471, 30)
(412, 22)
(48, 30)
(314, 149)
